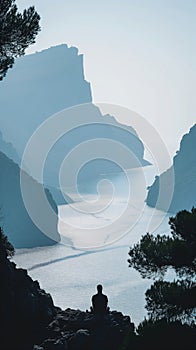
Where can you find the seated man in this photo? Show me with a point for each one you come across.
(99, 302)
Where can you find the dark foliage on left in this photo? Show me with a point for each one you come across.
(17, 32)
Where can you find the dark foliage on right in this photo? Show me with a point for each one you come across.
(171, 305)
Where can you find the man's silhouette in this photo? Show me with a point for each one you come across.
(99, 302)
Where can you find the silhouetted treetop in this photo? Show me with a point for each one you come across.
(17, 32)
(171, 300)
(154, 254)
(183, 226)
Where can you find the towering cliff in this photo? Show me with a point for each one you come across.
(14, 218)
(45, 83)
(38, 86)
(184, 166)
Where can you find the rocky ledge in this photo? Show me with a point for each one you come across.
(78, 330)
(30, 321)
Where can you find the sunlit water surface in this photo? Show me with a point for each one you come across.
(71, 273)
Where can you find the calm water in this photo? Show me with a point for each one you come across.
(70, 273)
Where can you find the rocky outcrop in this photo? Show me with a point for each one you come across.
(17, 224)
(29, 320)
(44, 83)
(25, 308)
(78, 330)
(184, 167)
(38, 86)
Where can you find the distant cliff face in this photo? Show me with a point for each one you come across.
(8, 149)
(184, 166)
(43, 84)
(38, 86)
(17, 224)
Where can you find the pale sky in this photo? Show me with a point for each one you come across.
(140, 54)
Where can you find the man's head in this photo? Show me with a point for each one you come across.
(99, 288)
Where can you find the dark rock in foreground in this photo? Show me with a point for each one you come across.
(26, 309)
(28, 317)
(30, 321)
(75, 329)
